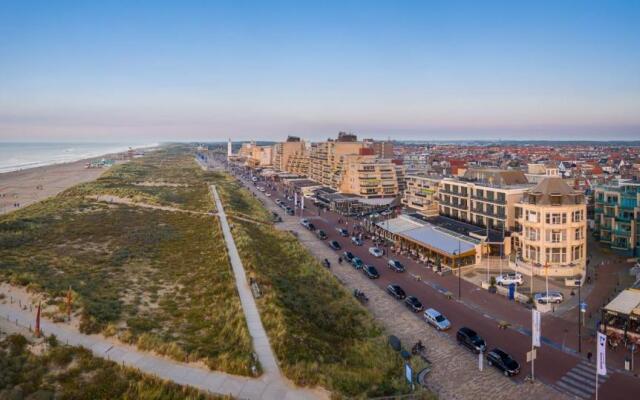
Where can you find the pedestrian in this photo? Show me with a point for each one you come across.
(589, 355)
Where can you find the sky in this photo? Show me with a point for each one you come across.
(208, 70)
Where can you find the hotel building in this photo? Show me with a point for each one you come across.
(367, 176)
(551, 229)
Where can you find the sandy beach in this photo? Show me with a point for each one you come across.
(19, 189)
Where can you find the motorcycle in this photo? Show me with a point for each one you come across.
(326, 263)
(417, 348)
(360, 296)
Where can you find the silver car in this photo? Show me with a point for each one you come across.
(437, 320)
(553, 297)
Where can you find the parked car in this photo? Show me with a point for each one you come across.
(503, 362)
(311, 226)
(396, 291)
(343, 232)
(371, 272)
(267, 194)
(289, 211)
(413, 304)
(437, 320)
(469, 338)
(321, 235)
(376, 252)
(357, 262)
(356, 241)
(278, 201)
(347, 255)
(553, 297)
(509, 278)
(304, 222)
(395, 265)
(335, 245)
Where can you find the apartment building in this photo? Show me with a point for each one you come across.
(551, 229)
(290, 154)
(616, 215)
(367, 176)
(483, 197)
(421, 194)
(326, 158)
(259, 156)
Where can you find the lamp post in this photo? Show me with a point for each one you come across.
(456, 263)
(579, 318)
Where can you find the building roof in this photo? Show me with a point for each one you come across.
(496, 177)
(626, 303)
(553, 190)
(400, 224)
(439, 239)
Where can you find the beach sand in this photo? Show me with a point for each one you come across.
(19, 189)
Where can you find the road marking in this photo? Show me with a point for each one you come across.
(580, 381)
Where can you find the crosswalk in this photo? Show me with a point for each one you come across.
(580, 381)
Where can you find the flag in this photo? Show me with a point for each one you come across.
(37, 332)
(535, 328)
(295, 199)
(602, 354)
(302, 202)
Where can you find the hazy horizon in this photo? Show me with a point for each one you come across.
(251, 70)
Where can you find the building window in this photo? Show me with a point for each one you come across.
(556, 218)
(556, 236)
(578, 234)
(532, 216)
(556, 255)
(577, 216)
(576, 253)
(531, 234)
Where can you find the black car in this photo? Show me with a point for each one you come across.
(396, 291)
(343, 232)
(321, 235)
(503, 362)
(334, 245)
(289, 210)
(469, 338)
(311, 227)
(371, 272)
(348, 256)
(413, 304)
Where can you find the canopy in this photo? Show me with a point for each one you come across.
(626, 303)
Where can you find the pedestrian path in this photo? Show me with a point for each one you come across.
(580, 381)
(259, 337)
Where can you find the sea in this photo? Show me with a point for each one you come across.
(16, 156)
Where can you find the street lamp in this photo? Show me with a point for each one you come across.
(456, 263)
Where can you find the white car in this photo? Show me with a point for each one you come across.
(304, 222)
(437, 320)
(553, 297)
(376, 252)
(508, 279)
(267, 194)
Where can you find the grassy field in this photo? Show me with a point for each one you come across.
(157, 279)
(321, 335)
(167, 177)
(64, 372)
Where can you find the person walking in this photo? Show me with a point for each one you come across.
(589, 355)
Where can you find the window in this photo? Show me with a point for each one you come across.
(576, 253)
(555, 236)
(556, 218)
(578, 234)
(577, 216)
(531, 234)
(532, 216)
(556, 255)
(533, 254)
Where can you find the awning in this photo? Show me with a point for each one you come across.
(438, 239)
(626, 303)
(400, 224)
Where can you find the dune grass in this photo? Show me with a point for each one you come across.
(320, 334)
(160, 280)
(64, 372)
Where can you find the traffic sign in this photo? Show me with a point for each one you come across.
(583, 307)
